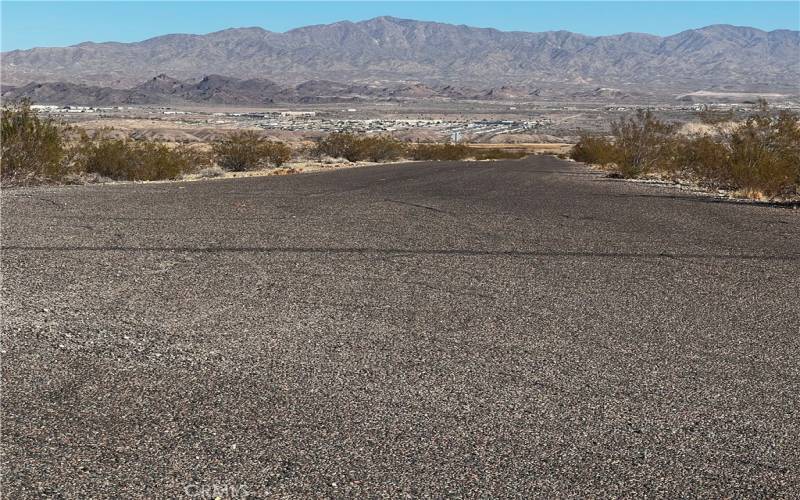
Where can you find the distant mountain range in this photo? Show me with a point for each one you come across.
(385, 50)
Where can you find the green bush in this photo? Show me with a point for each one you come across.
(249, 150)
(639, 146)
(764, 154)
(278, 153)
(123, 159)
(703, 158)
(496, 154)
(712, 117)
(33, 148)
(760, 155)
(359, 148)
(340, 145)
(384, 148)
(381, 148)
(455, 152)
(595, 150)
(441, 152)
(642, 144)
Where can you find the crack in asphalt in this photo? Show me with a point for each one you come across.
(418, 206)
(400, 251)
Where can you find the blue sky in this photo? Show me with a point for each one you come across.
(42, 24)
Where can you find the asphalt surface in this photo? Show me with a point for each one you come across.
(516, 328)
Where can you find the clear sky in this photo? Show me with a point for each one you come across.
(42, 24)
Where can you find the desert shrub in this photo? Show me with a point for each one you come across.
(249, 150)
(159, 161)
(595, 150)
(441, 152)
(340, 145)
(358, 148)
(713, 117)
(385, 148)
(704, 158)
(454, 152)
(764, 153)
(496, 154)
(124, 159)
(104, 156)
(381, 148)
(277, 153)
(197, 157)
(642, 144)
(759, 155)
(211, 172)
(33, 148)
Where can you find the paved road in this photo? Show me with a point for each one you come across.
(466, 329)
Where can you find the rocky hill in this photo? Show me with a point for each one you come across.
(217, 89)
